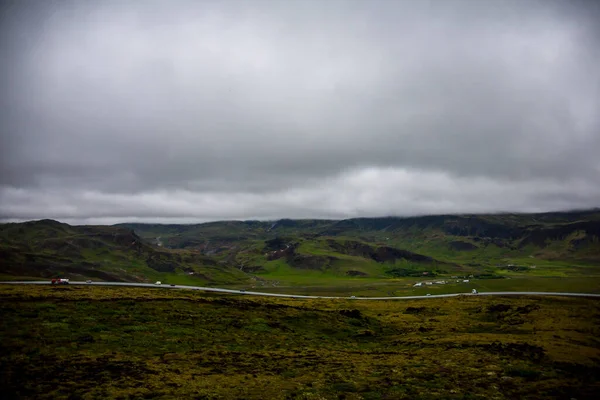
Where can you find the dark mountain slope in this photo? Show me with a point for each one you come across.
(219, 251)
(569, 235)
(49, 248)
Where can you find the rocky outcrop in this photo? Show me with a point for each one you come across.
(390, 254)
(287, 251)
(275, 244)
(539, 236)
(356, 273)
(379, 254)
(252, 269)
(302, 261)
(351, 248)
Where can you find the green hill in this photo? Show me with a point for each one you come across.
(302, 252)
(49, 248)
(460, 241)
(566, 235)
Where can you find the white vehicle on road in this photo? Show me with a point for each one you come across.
(158, 283)
(474, 291)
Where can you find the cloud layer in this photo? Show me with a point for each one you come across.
(188, 111)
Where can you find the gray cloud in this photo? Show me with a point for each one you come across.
(187, 110)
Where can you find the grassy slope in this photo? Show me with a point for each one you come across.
(49, 248)
(568, 237)
(233, 252)
(333, 266)
(96, 343)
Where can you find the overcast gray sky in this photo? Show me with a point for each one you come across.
(187, 111)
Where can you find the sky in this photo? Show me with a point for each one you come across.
(182, 111)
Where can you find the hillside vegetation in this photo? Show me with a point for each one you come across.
(300, 253)
(49, 248)
(100, 343)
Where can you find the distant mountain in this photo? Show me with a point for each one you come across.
(238, 252)
(49, 248)
(566, 235)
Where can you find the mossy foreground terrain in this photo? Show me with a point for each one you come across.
(99, 343)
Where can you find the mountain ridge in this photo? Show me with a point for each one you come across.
(227, 252)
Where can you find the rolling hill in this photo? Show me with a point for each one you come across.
(566, 236)
(49, 248)
(301, 251)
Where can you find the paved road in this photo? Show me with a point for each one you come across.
(295, 296)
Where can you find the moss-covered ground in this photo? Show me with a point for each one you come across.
(101, 343)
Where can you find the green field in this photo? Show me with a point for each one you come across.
(404, 287)
(132, 343)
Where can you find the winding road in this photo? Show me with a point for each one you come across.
(297, 296)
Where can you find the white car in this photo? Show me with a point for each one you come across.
(158, 283)
(474, 291)
(88, 281)
(352, 297)
(428, 294)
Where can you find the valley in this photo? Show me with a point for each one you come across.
(94, 341)
(363, 256)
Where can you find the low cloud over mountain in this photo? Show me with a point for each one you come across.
(200, 110)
